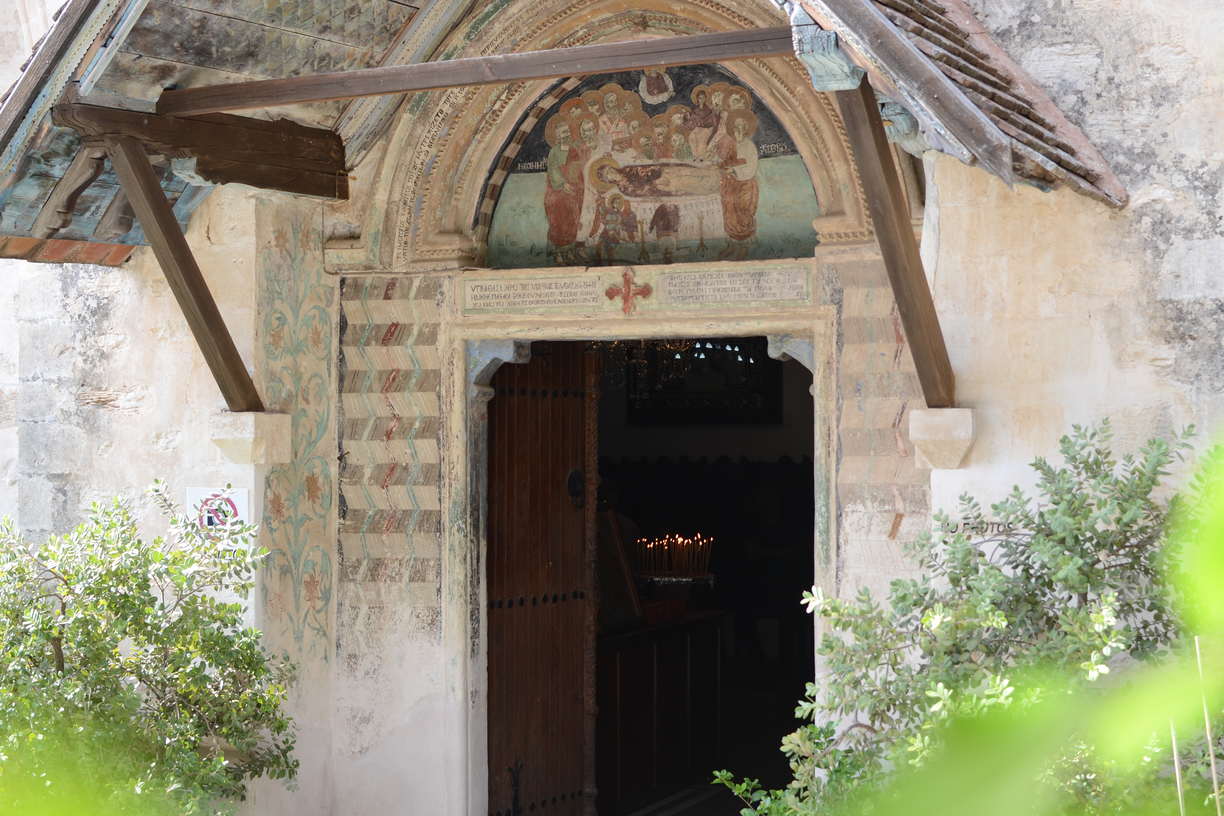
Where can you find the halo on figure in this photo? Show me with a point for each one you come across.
(596, 170)
(610, 88)
(646, 96)
(614, 198)
(592, 98)
(723, 88)
(742, 93)
(550, 128)
(573, 107)
(576, 123)
(682, 110)
(630, 102)
(642, 119)
(742, 115)
(700, 89)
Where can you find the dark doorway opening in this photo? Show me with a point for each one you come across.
(696, 535)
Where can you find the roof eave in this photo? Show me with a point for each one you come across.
(1108, 187)
(896, 64)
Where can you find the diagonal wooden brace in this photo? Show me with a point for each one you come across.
(162, 230)
(891, 221)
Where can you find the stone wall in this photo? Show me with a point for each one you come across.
(109, 389)
(1057, 310)
(20, 27)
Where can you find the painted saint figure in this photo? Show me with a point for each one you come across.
(656, 86)
(564, 190)
(701, 122)
(740, 191)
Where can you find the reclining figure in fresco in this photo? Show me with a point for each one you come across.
(618, 172)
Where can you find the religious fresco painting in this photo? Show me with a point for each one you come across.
(659, 166)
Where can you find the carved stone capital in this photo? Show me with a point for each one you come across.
(941, 436)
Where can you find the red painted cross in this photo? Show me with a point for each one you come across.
(628, 292)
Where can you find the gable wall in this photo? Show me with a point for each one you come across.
(1058, 310)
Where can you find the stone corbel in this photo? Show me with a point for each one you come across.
(253, 438)
(901, 127)
(818, 50)
(941, 436)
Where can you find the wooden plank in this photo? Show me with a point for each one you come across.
(280, 155)
(182, 273)
(890, 218)
(539, 601)
(722, 46)
(42, 64)
(883, 49)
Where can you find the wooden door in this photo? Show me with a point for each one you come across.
(542, 426)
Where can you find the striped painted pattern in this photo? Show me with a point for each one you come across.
(390, 522)
(884, 497)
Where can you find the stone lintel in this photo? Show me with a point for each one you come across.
(941, 436)
(253, 438)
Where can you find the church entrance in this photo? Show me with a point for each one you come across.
(650, 531)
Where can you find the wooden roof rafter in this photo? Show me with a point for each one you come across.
(970, 98)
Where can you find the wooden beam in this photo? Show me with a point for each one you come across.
(280, 155)
(924, 88)
(169, 244)
(558, 62)
(51, 50)
(890, 218)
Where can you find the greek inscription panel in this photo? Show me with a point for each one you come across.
(531, 294)
(734, 286)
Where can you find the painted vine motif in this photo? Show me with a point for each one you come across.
(296, 302)
(654, 167)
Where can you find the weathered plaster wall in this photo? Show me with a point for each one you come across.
(22, 24)
(392, 739)
(1058, 310)
(111, 391)
(20, 27)
(295, 362)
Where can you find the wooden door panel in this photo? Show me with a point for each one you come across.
(538, 584)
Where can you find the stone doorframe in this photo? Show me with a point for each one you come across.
(473, 351)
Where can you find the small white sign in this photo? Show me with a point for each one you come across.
(217, 507)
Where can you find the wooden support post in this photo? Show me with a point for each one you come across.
(890, 218)
(182, 273)
(496, 69)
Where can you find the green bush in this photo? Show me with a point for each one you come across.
(1076, 580)
(127, 674)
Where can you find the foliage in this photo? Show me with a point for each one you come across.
(136, 654)
(1072, 585)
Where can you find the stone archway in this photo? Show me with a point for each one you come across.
(427, 203)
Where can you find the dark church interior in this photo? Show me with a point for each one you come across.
(719, 446)
(701, 544)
